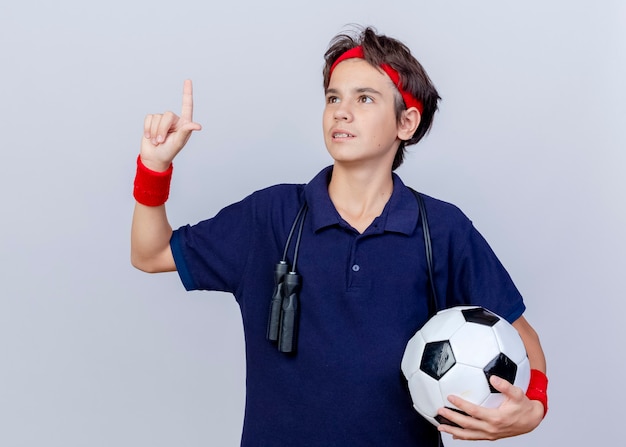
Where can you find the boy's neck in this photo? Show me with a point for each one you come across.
(360, 195)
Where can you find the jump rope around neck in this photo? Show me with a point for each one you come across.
(282, 325)
(284, 313)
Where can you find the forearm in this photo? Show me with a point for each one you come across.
(150, 239)
(164, 135)
(538, 384)
(532, 344)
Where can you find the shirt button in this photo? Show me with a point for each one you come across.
(356, 268)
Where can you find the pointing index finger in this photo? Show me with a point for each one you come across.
(187, 110)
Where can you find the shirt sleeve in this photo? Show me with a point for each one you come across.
(468, 272)
(212, 254)
(481, 279)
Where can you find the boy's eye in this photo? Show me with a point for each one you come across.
(332, 100)
(366, 99)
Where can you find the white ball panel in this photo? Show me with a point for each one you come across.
(466, 382)
(425, 393)
(412, 355)
(442, 325)
(510, 341)
(474, 345)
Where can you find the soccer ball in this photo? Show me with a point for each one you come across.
(455, 353)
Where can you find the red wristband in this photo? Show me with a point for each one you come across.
(152, 188)
(538, 388)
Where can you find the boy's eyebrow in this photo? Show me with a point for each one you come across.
(370, 90)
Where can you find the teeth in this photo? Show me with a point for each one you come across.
(341, 135)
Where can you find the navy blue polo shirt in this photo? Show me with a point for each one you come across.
(363, 297)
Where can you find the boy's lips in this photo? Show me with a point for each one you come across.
(338, 134)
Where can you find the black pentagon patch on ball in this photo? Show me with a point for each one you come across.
(480, 315)
(503, 367)
(447, 421)
(437, 359)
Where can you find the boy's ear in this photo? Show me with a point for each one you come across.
(409, 122)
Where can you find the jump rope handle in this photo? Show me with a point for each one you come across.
(287, 338)
(273, 322)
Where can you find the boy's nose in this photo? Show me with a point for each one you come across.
(343, 113)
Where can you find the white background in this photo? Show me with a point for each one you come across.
(529, 142)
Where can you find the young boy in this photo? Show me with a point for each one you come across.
(361, 271)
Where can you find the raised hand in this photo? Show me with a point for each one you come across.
(164, 135)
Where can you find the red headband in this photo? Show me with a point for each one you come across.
(357, 52)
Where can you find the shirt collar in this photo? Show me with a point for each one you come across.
(400, 213)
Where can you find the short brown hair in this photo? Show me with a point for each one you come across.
(379, 49)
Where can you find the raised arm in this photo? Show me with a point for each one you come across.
(164, 136)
